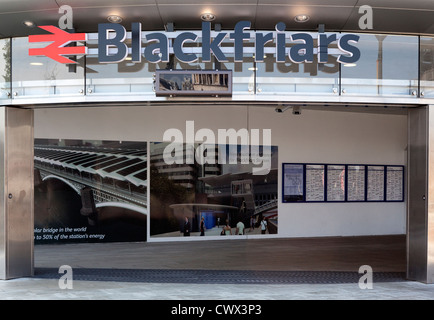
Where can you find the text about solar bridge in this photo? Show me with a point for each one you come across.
(65, 233)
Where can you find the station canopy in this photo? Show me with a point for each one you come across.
(389, 16)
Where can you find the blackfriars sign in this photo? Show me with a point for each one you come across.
(157, 47)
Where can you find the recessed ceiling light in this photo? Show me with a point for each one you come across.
(301, 18)
(29, 24)
(350, 65)
(207, 16)
(36, 64)
(114, 18)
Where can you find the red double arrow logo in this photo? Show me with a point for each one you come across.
(58, 48)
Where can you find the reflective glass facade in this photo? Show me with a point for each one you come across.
(41, 76)
(388, 67)
(427, 67)
(5, 68)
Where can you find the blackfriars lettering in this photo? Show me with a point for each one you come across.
(112, 35)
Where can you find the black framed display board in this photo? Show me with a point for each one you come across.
(315, 182)
(307, 182)
(356, 183)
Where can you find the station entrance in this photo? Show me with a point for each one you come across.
(294, 144)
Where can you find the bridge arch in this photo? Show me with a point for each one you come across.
(124, 205)
(74, 187)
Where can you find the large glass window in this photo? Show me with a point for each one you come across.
(427, 67)
(38, 76)
(243, 73)
(137, 77)
(5, 68)
(388, 66)
(297, 78)
(126, 77)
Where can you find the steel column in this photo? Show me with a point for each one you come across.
(430, 213)
(16, 192)
(420, 216)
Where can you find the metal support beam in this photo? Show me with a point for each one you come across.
(16, 193)
(420, 216)
(429, 222)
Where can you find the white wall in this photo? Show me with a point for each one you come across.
(341, 138)
(312, 137)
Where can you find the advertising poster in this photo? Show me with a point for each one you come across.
(215, 195)
(90, 191)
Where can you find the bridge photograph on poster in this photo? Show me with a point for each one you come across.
(90, 191)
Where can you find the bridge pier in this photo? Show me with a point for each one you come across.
(88, 206)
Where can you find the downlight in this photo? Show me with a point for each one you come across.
(29, 24)
(207, 16)
(114, 18)
(301, 18)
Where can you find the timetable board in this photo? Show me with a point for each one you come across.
(335, 182)
(395, 183)
(315, 182)
(342, 183)
(356, 183)
(293, 182)
(375, 185)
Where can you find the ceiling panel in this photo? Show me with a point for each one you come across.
(395, 21)
(11, 25)
(395, 16)
(105, 3)
(147, 15)
(207, 3)
(7, 6)
(396, 4)
(268, 16)
(340, 3)
(188, 16)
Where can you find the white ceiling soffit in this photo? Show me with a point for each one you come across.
(389, 16)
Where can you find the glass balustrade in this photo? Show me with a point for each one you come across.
(388, 67)
(37, 76)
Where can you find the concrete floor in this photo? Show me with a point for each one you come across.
(337, 254)
(385, 253)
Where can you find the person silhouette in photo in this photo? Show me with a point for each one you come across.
(227, 228)
(263, 225)
(202, 226)
(240, 228)
(187, 227)
(252, 223)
